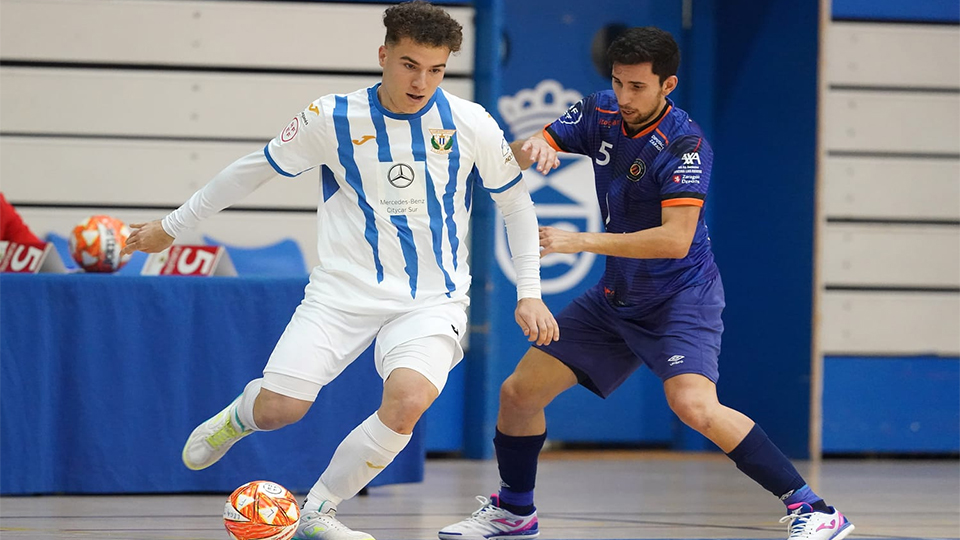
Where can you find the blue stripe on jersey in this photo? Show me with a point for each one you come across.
(266, 152)
(446, 118)
(328, 182)
(383, 141)
(433, 205)
(345, 152)
(407, 245)
(409, 251)
(505, 187)
(471, 180)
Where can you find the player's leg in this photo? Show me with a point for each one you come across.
(590, 352)
(316, 346)
(414, 354)
(694, 399)
(687, 362)
(520, 434)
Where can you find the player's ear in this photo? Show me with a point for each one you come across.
(382, 54)
(670, 84)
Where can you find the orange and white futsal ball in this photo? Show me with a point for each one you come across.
(95, 243)
(261, 510)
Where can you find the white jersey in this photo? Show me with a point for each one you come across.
(395, 195)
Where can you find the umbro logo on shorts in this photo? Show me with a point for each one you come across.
(675, 359)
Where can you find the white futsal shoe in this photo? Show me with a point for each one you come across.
(324, 525)
(211, 439)
(805, 524)
(491, 522)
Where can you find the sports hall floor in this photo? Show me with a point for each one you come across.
(580, 495)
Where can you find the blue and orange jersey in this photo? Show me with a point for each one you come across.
(667, 163)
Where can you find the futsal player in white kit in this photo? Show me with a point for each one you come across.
(398, 163)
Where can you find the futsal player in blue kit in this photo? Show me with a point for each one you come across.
(658, 303)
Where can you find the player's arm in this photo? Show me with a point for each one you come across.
(503, 180)
(298, 148)
(683, 172)
(520, 220)
(231, 185)
(566, 134)
(671, 240)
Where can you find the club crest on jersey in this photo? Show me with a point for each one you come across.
(637, 170)
(441, 140)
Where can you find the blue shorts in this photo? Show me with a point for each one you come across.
(604, 345)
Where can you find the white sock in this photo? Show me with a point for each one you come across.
(366, 451)
(245, 406)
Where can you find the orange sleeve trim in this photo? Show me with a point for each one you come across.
(606, 111)
(550, 141)
(681, 202)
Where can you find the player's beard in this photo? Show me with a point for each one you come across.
(640, 118)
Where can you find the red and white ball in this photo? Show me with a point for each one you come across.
(95, 243)
(261, 510)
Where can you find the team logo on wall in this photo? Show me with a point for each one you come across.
(441, 140)
(527, 111)
(291, 130)
(400, 175)
(637, 170)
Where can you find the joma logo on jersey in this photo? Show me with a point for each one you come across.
(441, 140)
(690, 158)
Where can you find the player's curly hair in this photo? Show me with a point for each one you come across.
(646, 44)
(424, 23)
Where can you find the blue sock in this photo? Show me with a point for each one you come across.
(517, 460)
(761, 460)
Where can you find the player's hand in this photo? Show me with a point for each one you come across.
(536, 321)
(554, 240)
(147, 237)
(540, 152)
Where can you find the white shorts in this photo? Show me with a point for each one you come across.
(320, 342)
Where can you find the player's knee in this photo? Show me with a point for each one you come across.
(693, 410)
(402, 410)
(517, 396)
(276, 411)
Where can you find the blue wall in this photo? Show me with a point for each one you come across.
(886, 405)
(763, 195)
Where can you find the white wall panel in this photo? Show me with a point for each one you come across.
(132, 172)
(879, 323)
(901, 55)
(891, 188)
(250, 229)
(316, 36)
(892, 122)
(891, 255)
(161, 103)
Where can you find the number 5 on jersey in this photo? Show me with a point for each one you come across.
(604, 145)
